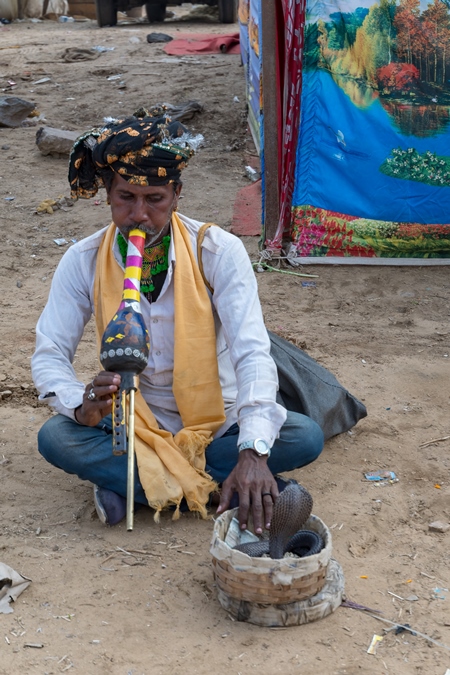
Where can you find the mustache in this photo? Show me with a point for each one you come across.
(151, 234)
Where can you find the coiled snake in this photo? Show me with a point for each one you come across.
(290, 512)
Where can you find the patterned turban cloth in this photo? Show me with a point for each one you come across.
(147, 148)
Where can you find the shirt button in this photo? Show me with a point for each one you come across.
(155, 320)
(158, 353)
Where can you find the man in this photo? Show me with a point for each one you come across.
(207, 411)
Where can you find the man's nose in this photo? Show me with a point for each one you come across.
(140, 212)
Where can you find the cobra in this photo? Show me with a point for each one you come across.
(290, 512)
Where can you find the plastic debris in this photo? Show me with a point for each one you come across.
(380, 476)
(309, 284)
(374, 644)
(405, 628)
(42, 80)
(251, 173)
(12, 584)
(438, 593)
(61, 241)
(99, 48)
(159, 37)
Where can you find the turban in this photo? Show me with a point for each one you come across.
(147, 148)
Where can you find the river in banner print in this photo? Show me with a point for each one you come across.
(372, 156)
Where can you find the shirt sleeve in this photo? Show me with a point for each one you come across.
(59, 330)
(230, 273)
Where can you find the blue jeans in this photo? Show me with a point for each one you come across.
(87, 451)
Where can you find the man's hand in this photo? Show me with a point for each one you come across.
(252, 479)
(93, 410)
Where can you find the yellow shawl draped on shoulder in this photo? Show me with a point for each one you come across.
(173, 466)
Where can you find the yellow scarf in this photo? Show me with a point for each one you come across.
(172, 467)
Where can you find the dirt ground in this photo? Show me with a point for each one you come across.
(107, 601)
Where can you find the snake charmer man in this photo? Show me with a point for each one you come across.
(207, 416)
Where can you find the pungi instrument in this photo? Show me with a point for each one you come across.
(124, 350)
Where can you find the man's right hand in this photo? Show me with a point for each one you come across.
(93, 410)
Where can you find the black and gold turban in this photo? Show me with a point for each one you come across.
(147, 148)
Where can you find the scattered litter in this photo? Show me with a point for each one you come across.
(114, 77)
(34, 645)
(399, 597)
(309, 284)
(438, 526)
(12, 584)
(412, 598)
(9, 199)
(251, 173)
(406, 627)
(437, 593)
(51, 205)
(363, 576)
(422, 635)
(99, 48)
(159, 37)
(79, 54)
(437, 486)
(355, 605)
(374, 644)
(65, 19)
(236, 99)
(434, 440)
(61, 241)
(42, 80)
(380, 476)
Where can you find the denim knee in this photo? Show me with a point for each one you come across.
(50, 437)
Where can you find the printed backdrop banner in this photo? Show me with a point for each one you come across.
(372, 174)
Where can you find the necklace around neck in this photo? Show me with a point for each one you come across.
(155, 260)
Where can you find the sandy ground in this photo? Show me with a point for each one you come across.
(384, 332)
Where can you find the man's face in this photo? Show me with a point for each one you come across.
(148, 208)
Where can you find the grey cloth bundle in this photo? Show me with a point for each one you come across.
(309, 388)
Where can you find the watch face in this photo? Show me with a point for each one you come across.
(261, 447)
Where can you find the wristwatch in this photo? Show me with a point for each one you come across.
(259, 445)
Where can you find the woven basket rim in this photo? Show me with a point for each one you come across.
(284, 570)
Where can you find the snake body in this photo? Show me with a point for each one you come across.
(290, 512)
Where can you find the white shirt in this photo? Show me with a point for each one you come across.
(247, 372)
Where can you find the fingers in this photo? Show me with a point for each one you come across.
(226, 494)
(256, 497)
(102, 386)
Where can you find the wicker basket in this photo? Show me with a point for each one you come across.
(276, 592)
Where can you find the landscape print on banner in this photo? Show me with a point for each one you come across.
(375, 131)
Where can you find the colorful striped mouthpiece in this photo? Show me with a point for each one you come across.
(133, 268)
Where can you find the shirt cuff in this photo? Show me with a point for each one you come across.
(252, 427)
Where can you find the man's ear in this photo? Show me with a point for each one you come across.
(177, 196)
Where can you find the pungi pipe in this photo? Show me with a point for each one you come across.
(124, 350)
